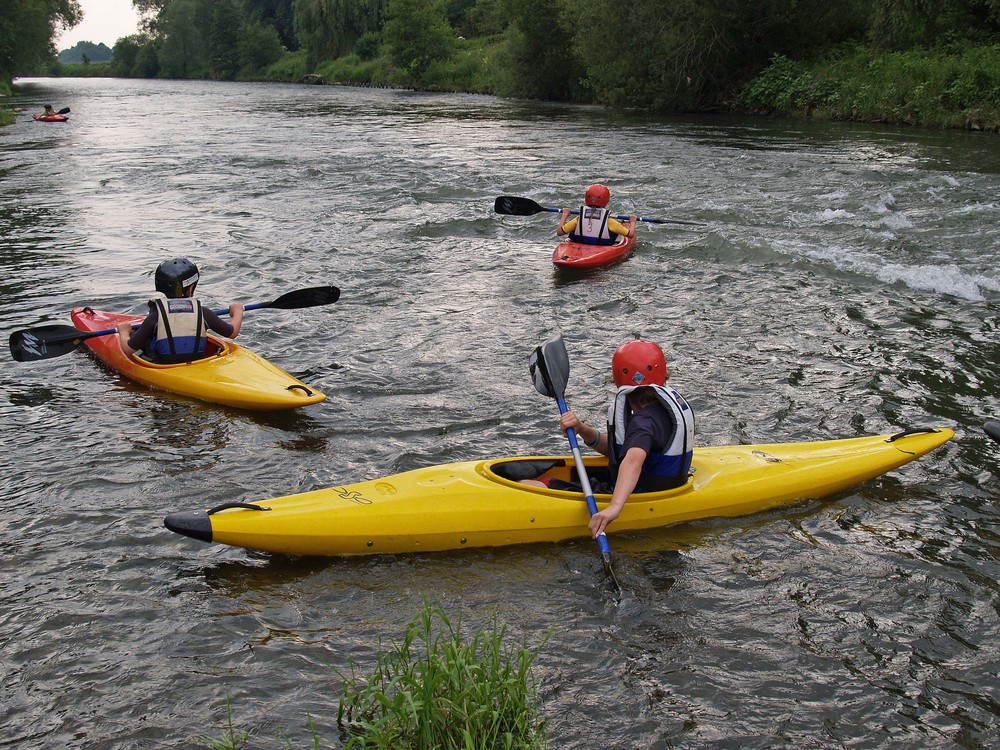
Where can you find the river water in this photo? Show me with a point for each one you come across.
(846, 282)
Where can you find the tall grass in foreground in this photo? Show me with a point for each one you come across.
(436, 691)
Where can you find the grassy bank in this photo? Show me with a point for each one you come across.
(927, 88)
(7, 115)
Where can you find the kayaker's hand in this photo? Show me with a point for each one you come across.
(563, 218)
(632, 222)
(124, 334)
(600, 520)
(569, 419)
(236, 313)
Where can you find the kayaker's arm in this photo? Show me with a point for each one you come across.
(236, 315)
(124, 333)
(629, 471)
(563, 218)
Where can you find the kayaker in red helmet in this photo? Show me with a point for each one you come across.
(649, 435)
(594, 225)
(174, 331)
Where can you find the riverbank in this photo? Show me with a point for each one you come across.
(936, 89)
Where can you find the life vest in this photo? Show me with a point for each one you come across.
(670, 467)
(180, 330)
(592, 227)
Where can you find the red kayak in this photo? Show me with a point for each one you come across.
(577, 255)
(50, 118)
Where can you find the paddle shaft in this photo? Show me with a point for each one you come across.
(108, 331)
(46, 342)
(588, 492)
(621, 217)
(513, 205)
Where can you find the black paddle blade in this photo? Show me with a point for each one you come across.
(993, 430)
(300, 298)
(514, 206)
(549, 367)
(64, 111)
(45, 342)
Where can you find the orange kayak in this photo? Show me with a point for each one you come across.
(577, 255)
(231, 375)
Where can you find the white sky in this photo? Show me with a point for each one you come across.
(103, 21)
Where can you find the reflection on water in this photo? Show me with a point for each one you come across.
(846, 283)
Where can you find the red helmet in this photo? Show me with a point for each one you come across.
(639, 363)
(597, 195)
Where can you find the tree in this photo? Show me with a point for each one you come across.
(329, 28)
(223, 37)
(278, 14)
(541, 62)
(418, 34)
(28, 29)
(902, 24)
(258, 47)
(181, 53)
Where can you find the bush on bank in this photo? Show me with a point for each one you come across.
(938, 88)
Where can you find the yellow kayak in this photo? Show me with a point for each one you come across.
(232, 375)
(482, 503)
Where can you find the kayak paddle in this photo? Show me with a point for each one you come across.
(46, 342)
(515, 206)
(549, 367)
(63, 111)
(993, 430)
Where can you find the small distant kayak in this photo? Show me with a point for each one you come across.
(993, 430)
(50, 118)
(578, 255)
(230, 375)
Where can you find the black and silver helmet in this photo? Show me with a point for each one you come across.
(175, 277)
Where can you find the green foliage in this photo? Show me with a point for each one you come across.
(436, 691)
(418, 35)
(222, 39)
(329, 28)
(277, 14)
(538, 61)
(903, 24)
(27, 31)
(291, 67)
(182, 47)
(918, 87)
(368, 44)
(258, 46)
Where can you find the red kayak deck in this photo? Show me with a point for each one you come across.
(577, 255)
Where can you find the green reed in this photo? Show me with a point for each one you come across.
(437, 690)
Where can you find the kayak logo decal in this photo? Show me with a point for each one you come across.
(352, 496)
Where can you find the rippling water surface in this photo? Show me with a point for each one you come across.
(846, 282)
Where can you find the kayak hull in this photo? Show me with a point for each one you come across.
(50, 118)
(233, 376)
(580, 256)
(482, 503)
